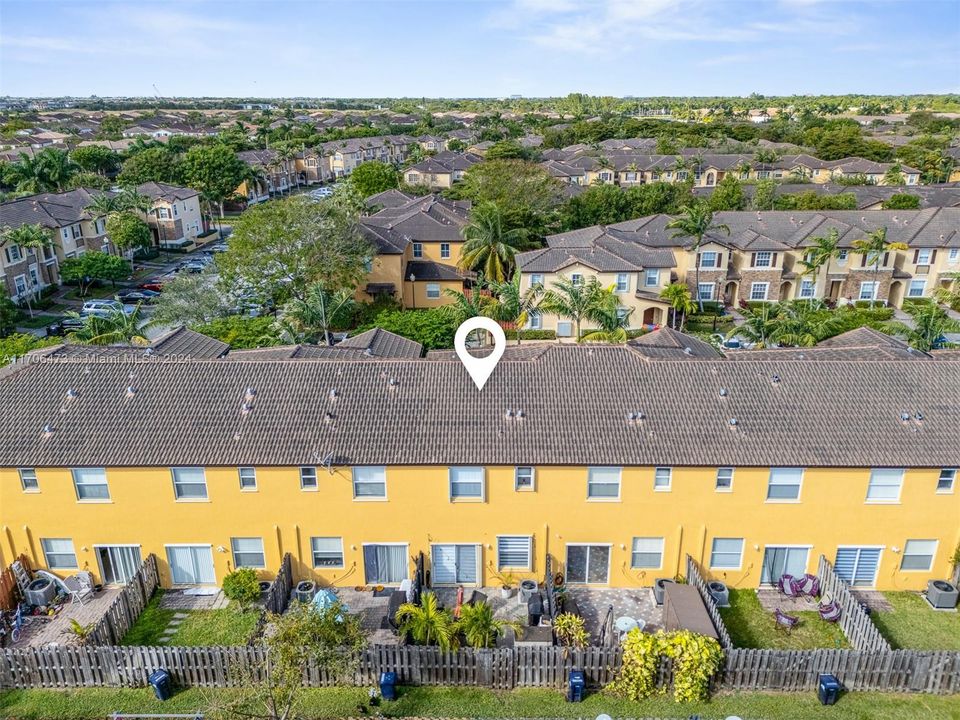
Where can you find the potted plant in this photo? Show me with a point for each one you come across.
(508, 582)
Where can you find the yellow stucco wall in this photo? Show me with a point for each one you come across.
(831, 511)
(415, 293)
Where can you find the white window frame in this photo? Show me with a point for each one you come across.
(906, 554)
(78, 485)
(714, 551)
(784, 477)
(306, 473)
(234, 552)
(445, 251)
(576, 279)
(923, 256)
(879, 473)
(623, 282)
(872, 285)
(953, 257)
(717, 486)
(947, 474)
(433, 291)
(842, 257)
(47, 554)
(586, 580)
(516, 478)
(417, 250)
(466, 498)
(244, 475)
(753, 291)
(917, 288)
(763, 259)
(709, 294)
(659, 473)
(806, 288)
(591, 482)
(177, 482)
(313, 553)
(534, 320)
(634, 552)
(29, 482)
(528, 565)
(359, 481)
(536, 279)
(713, 254)
(653, 273)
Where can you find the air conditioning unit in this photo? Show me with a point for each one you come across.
(942, 595)
(658, 589)
(720, 594)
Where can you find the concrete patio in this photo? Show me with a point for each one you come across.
(637, 603)
(38, 631)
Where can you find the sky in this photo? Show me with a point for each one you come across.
(478, 48)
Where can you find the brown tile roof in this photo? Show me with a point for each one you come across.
(629, 412)
(666, 343)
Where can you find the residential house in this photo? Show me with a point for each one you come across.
(759, 260)
(272, 174)
(440, 171)
(583, 460)
(176, 219)
(418, 247)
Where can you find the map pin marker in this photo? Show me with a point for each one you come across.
(480, 368)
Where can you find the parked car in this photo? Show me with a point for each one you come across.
(195, 265)
(322, 192)
(134, 296)
(63, 326)
(218, 247)
(103, 308)
(152, 285)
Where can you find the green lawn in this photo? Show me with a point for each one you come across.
(915, 625)
(202, 627)
(751, 626)
(94, 293)
(471, 702)
(37, 321)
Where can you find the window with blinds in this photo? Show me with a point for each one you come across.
(514, 551)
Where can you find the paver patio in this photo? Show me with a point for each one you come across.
(56, 631)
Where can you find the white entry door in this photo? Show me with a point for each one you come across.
(454, 564)
(191, 564)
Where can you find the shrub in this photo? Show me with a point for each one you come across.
(433, 328)
(531, 334)
(241, 332)
(570, 630)
(638, 672)
(242, 586)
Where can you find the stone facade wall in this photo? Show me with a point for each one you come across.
(850, 289)
(717, 277)
(748, 276)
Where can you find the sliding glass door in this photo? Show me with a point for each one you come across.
(385, 564)
(118, 563)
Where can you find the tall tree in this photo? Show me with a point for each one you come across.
(96, 159)
(215, 171)
(489, 246)
(278, 249)
(576, 301)
(824, 249)
(525, 193)
(371, 178)
(428, 623)
(930, 324)
(874, 246)
(514, 305)
(154, 164)
(118, 327)
(695, 223)
(681, 303)
(57, 167)
(32, 237)
(311, 319)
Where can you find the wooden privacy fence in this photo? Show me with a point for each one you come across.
(696, 579)
(126, 608)
(65, 666)
(856, 624)
(279, 594)
(9, 591)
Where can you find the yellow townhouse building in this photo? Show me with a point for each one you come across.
(758, 261)
(418, 242)
(613, 461)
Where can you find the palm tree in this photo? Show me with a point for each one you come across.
(823, 251)
(310, 319)
(759, 325)
(804, 325)
(488, 246)
(514, 305)
(577, 301)
(696, 222)
(57, 167)
(873, 247)
(949, 295)
(678, 295)
(427, 624)
(608, 314)
(115, 328)
(33, 237)
(29, 175)
(481, 629)
(469, 305)
(931, 322)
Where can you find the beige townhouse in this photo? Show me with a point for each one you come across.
(176, 219)
(440, 171)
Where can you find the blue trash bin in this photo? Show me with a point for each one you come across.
(577, 684)
(828, 689)
(388, 685)
(162, 684)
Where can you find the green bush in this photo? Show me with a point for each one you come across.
(241, 332)
(695, 659)
(712, 307)
(914, 302)
(531, 334)
(433, 328)
(242, 586)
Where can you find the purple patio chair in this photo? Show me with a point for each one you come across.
(810, 585)
(830, 611)
(784, 621)
(788, 586)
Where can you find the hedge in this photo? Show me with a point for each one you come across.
(531, 334)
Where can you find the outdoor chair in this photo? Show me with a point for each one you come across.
(783, 621)
(830, 611)
(788, 586)
(810, 585)
(477, 598)
(81, 586)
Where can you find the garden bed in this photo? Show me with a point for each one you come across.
(750, 626)
(913, 624)
(227, 626)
